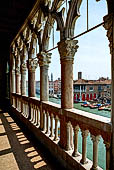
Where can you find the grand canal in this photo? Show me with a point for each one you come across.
(102, 152)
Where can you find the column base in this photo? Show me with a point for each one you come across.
(75, 154)
(94, 168)
(83, 162)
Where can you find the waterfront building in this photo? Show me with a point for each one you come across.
(38, 115)
(86, 90)
(57, 86)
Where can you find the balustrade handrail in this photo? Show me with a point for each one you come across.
(88, 120)
(39, 112)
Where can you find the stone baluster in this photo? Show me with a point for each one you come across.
(34, 114)
(68, 146)
(38, 114)
(67, 49)
(52, 131)
(76, 130)
(84, 146)
(26, 109)
(44, 121)
(32, 111)
(56, 128)
(71, 136)
(43, 59)
(47, 116)
(107, 145)
(95, 140)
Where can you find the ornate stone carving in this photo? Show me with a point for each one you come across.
(24, 66)
(95, 138)
(108, 25)
(32, 64)
(44, 59)
(67, 49)
(107, 144)
(85, 133)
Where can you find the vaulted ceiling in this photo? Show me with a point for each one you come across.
(12, 15)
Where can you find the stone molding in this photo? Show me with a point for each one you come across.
(32, 65)
(44, 59)
(108, 25)
(67, 49)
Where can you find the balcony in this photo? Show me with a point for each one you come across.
(45, 121)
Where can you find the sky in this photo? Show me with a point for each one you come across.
(93, 56)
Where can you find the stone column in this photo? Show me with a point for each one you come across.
(23, 78)
(44, 60)
(109, 26)
(13, 81)
(84, 146)
(67, 51)
(95, 140)
(13, 74)
(18, 80)
(32, 65)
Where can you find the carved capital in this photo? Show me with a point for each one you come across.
(76, 129)
(107, 144)
(95, 138)
(67, 49)
(32, 65)
(17, 70)
(44, 59)
(23, 67)
(85, 133)
(108, 25)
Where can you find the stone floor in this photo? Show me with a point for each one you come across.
(19, 150)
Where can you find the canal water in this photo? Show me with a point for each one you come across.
(101, 150)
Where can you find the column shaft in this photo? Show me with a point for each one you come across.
(44, 84)
(17, 82)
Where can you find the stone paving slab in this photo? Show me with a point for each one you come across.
(18, 151)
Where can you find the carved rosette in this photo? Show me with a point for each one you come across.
(108, 25)
(67, 49)
(44, 59)
(32, 65)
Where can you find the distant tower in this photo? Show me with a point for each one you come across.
(51, 76)
(79, 75)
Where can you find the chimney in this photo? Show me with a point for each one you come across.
(79, 75)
